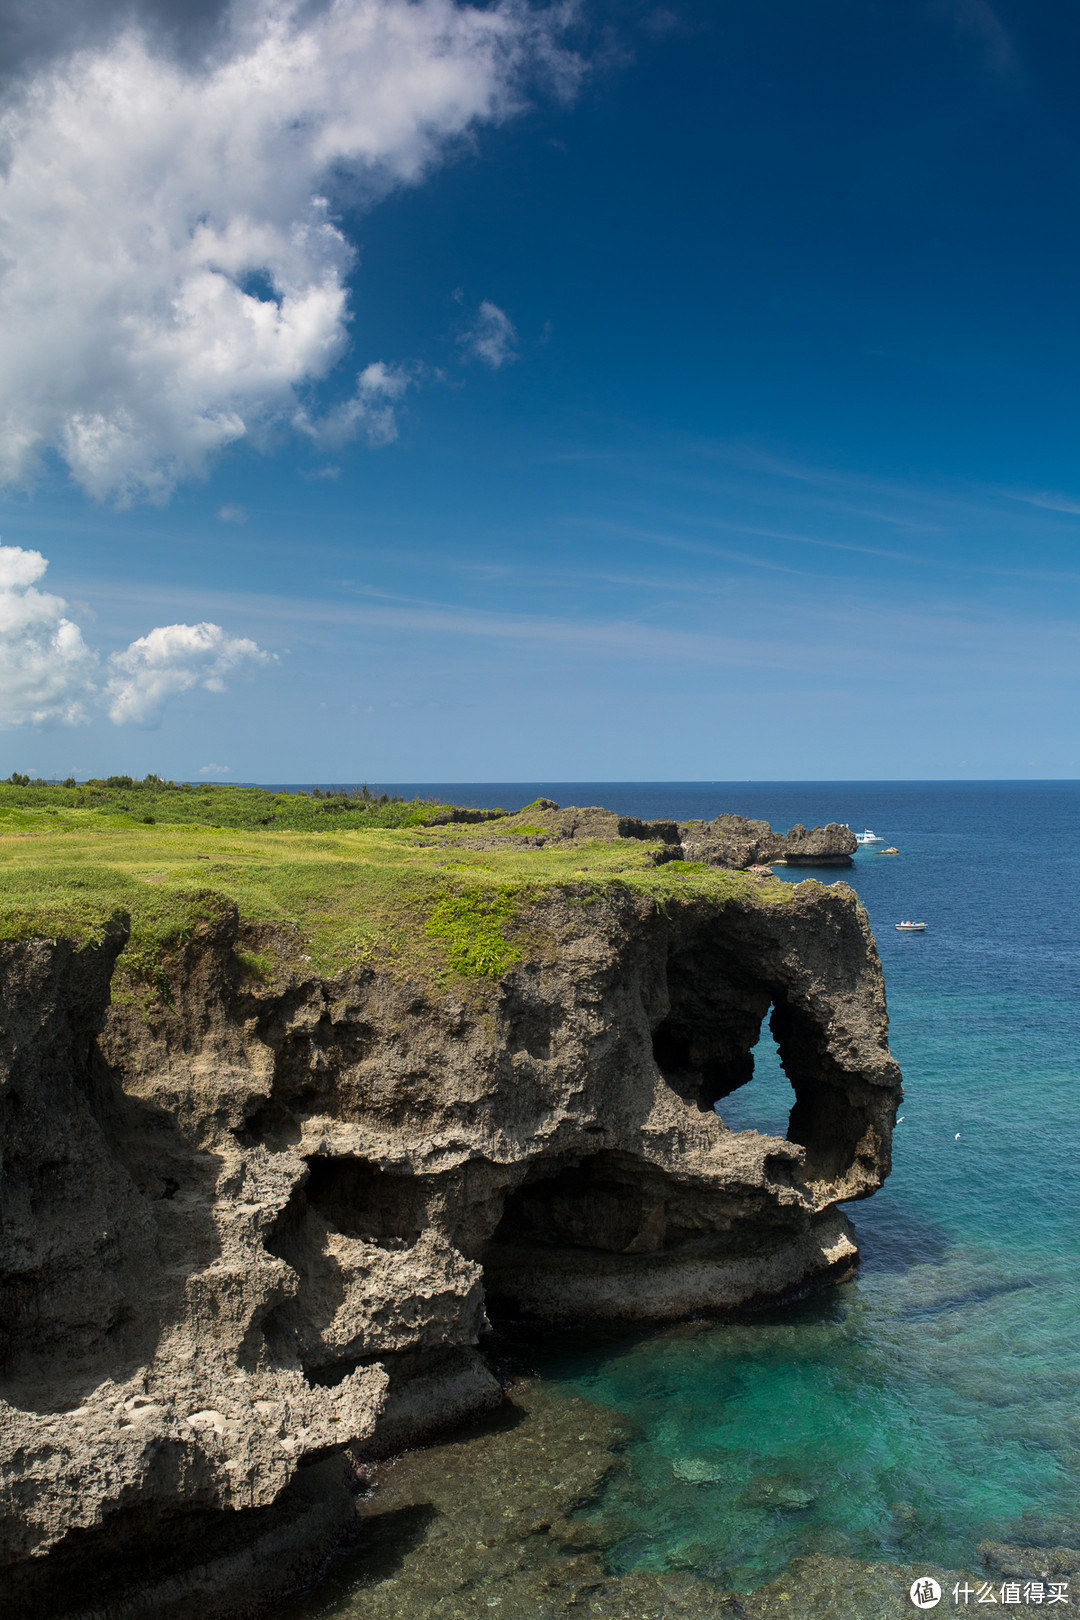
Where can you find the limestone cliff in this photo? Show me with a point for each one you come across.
(740, 842)
(733, 841)
(252, 1231)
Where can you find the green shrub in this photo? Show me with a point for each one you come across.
(470, 922)
(218, 805)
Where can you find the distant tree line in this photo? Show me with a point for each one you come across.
(363, 794)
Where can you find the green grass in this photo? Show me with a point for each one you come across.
(257, 965)
(471, 923)
(412, 899)
(34, 807)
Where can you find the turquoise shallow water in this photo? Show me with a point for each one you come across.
(931, 1402)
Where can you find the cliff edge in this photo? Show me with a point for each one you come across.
(737, 842)
(251, 1229)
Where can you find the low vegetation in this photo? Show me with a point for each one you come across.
(372, 881)
(472, 924)
(126, 802)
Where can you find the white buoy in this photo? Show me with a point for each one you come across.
(956, 1138)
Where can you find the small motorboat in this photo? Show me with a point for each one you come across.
(910, 927)
(867, 837)
(892, 850)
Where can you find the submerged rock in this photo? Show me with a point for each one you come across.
(1030, 1563)
(700, 1470)
(781, 1493)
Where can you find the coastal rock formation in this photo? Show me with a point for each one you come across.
(252, 1231)
(831, 845)
(739, 842)
(135, 1269)
(733, 841)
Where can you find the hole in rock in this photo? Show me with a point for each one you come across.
(828, 1118)
(706, 1048)
(362, 1200)
(765, 1105)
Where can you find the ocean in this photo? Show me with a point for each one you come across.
(931, 1403)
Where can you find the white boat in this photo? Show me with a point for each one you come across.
(910, 927)
(867, 837)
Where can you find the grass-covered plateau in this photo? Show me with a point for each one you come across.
(344, 886)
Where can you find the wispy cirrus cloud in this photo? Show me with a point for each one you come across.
(1047, 502)
(980, 21)
(823, 635)
(491, 337)
(174, 273)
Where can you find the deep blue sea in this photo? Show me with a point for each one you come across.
(932, 1401)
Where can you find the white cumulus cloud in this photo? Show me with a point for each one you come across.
(46, 669)
(49, 676)
(172, 270)
(368, 414)
(170, 660)
(491, 337)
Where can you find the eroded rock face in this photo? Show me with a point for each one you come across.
(256, 1228)
(732, 841)
(740, 842)
(136, 1403)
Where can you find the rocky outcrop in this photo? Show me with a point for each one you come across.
(739, 842)
(832, 845)
(456, 813)
(135, 1404)
(733, 841)
(546, 823)
(251, 1233)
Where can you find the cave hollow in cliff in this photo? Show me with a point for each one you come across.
(704, 1049)
(606, 1200)
(360, 1199)
(330, 1233)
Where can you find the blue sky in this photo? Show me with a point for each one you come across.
(625, 392)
